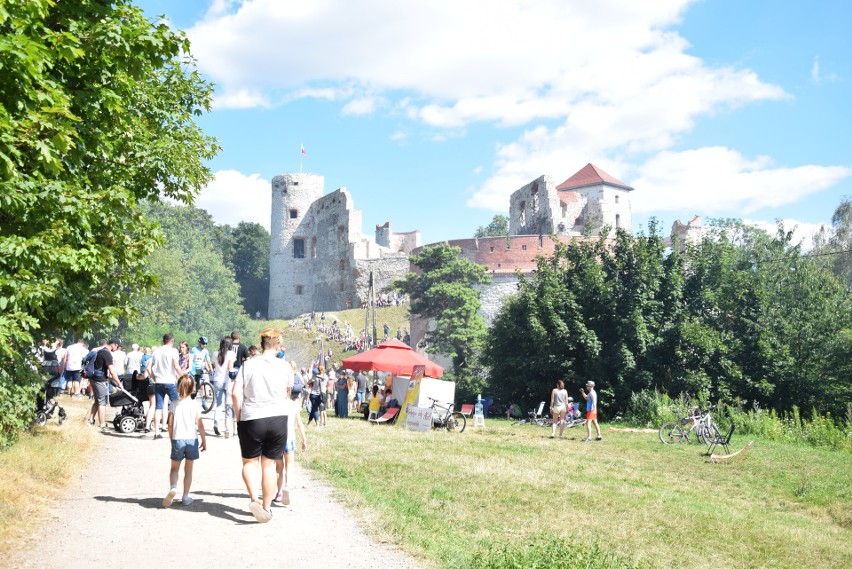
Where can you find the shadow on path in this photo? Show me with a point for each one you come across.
(214, 509)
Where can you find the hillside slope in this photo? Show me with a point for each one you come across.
(302, 343)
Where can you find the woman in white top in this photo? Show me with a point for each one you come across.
(558, 407)
(223, 364)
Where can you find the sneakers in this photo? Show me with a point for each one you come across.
(260, 514)
(157, 436)
(186, 501)
(586, 439)
(216, 431)
(599, 438)
(278, 497)
(167, 501)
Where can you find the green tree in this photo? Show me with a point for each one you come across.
(196, 292)
(444, 291)
(247, 253)
(498, 227)
(97, 110)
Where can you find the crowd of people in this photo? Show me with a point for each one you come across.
(258, 397)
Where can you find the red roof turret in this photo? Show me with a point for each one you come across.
(591, 175)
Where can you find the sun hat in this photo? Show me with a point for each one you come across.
(590, 384)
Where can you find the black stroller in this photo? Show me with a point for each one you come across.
(46, 401)
(131, 418)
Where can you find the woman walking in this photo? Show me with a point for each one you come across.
(341, 407)
(558, 407)
(223, 364)
(260, 394)
(316, 386)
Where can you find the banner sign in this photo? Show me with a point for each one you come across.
(412, 394)
(418, 418)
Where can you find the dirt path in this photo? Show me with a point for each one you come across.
(113, 517)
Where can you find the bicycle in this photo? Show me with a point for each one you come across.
(701, 424)
(205, 388)
(443, 417)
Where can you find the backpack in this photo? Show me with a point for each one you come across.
(89, 364)
(298, 384)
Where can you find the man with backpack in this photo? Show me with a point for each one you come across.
(104, 372)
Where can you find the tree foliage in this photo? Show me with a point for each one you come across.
(97, 109)
(744, 317)
(246, 250)
(498, 227)
(443, 291)
(196, 292)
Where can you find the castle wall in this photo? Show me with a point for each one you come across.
(532, 208)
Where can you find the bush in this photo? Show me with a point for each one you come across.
(19, 385)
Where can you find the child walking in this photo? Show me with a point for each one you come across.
(184, 428)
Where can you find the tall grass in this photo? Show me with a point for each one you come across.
(37, 469)
(652, 409)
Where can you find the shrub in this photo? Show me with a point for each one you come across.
(19, 385)
(546, 552)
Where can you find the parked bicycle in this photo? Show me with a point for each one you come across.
(696, 422)
(443, 417)
(204, 391)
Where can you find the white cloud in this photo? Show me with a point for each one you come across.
(362, 106)
(802, 232)
(716, 179)
(613, 81)
(233, 197)
(817, 76)
(399, 136)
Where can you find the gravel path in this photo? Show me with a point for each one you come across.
(114, 517)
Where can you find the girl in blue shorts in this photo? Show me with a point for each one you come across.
(184, 428)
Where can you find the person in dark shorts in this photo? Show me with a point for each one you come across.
(260, 394)
(104, 372)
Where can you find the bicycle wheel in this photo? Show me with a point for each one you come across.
(671, 433)
(205, 394)
(456, 423)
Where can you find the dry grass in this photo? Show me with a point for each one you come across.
(447, 497)
(35, 471)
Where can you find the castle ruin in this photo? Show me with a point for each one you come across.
(318, 258)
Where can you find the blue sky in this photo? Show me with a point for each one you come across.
(432, 113)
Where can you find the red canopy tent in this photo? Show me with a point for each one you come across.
(394, 357)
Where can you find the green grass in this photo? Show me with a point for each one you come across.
(299, 342)
(511, 497)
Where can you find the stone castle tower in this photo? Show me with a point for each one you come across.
(318, 258)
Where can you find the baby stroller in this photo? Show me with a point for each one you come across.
(46, 401)
(131, 418)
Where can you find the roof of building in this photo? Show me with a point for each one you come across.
(591, 175)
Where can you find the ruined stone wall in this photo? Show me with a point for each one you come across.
(606, 205)
(405, 242)
(385, 271)
(533, 208)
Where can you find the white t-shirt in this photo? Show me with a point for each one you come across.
(76, 353)
(119, 360)
(265, 380)
(163, 364)
(134, 361)
(60, 354)
(293, 409)
(220, 372)
(186, 413)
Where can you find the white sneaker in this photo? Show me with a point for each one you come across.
(262, 516)
(167, 501)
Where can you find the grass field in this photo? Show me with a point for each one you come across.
(511, 497)
(36, 470)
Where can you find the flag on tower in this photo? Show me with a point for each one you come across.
(304, 154)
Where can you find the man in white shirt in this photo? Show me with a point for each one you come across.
(119, 360)
(73, 365)
(134, 360)
(164, 369)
